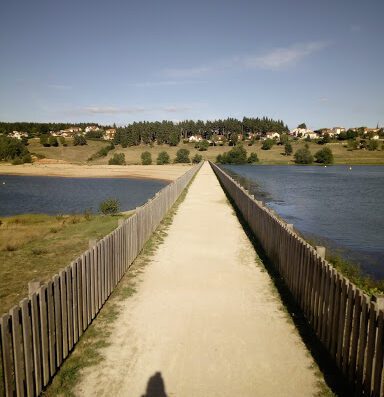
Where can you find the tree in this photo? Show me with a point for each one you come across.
(79, 140)
(373, 145)
(117, 159)
(182, 156)
(44, 140)
(202, 145)
(109, 206)
(253, 158)
(163, 158)
(174, 138)
(302, 125)
(237, 155)
(53, 141)
(267, 144)
(197, 158)
(146, 158)
(288, 149)
(303, 156)
(11, 148)
(324, 156)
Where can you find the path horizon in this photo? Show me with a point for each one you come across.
(206, 319)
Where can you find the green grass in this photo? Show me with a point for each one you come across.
(88, 350)
(80, 154)
(35, 247)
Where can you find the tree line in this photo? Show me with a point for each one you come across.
(36, 129)
(171, 133)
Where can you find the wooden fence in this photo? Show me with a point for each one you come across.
(38, 334)
(348, 323)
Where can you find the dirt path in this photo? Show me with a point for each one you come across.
(205, 321)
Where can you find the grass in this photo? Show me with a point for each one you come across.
(80, 154)
(70, 153)
(88, 350)
(35, 247)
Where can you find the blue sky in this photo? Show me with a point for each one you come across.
(321, 62)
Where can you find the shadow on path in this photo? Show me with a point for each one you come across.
(155, 386)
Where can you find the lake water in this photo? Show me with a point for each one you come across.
(52, 195)
(335, 206)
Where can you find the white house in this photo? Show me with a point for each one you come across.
(195, 138)
(109, 134)
(271, 135)
(303, 133)
(18, 135)
(338, 130)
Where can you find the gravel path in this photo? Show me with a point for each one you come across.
(206, 320)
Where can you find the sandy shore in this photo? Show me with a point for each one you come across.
(205, 320)
(166, 172)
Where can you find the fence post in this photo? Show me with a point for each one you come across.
(320, 251)
(92, 242)
(33, 286)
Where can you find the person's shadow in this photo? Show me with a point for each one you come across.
(155, 386)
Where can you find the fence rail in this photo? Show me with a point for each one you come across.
(348, 323)
(38, 334)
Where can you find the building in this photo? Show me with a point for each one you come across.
(109, 134)
(18, 135)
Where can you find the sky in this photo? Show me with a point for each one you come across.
(116, 61)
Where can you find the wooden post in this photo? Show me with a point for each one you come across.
(379, 299)
(92, 242)
(320, 251)
(33, 286)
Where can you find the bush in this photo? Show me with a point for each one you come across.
(197, 158)
(324, 156)
(109, 206)
(163, 158)
(146, 158)
(237, 155)
(27, 158)
(53, 141)
(352, 144)
(17, 161)
(117, 159)
(44, 140)
(267, 144)
(253, 158)
(288, 149)
(202, 146)
(102, 152)
(303, 156)
(182, 156)
(174, 139)
(79, 140)
(373, 145)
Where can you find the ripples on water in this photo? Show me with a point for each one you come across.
(335, 205)
(51, 195)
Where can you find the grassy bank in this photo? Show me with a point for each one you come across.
(80, 154)
(35, 247)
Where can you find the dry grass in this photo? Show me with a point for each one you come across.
(70, 153)
(79, 154)
(35, 247)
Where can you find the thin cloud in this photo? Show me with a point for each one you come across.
(110, 110)
(60, 87)
(167, 83)
(187, 72)
(280, 58)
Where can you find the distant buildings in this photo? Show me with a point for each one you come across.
(109, 134)
(18, 135)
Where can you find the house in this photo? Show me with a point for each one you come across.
(109, 134)
(271, 135)
(338, 130)
(303, 133)
(90, 128)
(195, 138)
(18, 135)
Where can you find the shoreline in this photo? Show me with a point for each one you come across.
(167, 173)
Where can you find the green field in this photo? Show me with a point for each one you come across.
(80, 154)
(35, 247)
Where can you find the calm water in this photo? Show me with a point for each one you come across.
(335, 206)
(51, 195)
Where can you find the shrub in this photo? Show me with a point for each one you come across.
(237, 155)
(44, 140)
(303, 156)
(267, 144)
(163, 158)
(197, 158)
(27, 158)
(373, 145)
(174, 139)
(109, 206)
(146, 158)
(253, 158)
(202, 146)
(79, 140)
(182, 156)
(352, 144)
(17, 161)
(53, 141)
(117, 159)
(288, 149)
(324, 156)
